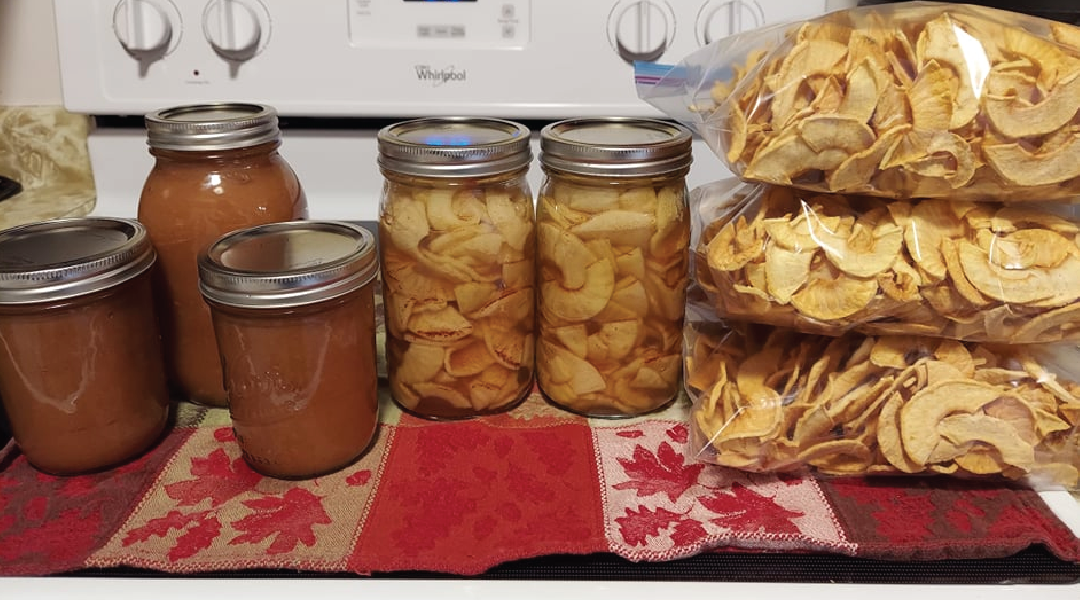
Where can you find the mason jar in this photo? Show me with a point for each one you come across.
(81, 372)
(294, 314)
(613, 235)
(457, 249)
(217, 169)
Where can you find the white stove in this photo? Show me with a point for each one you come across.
(341, 68)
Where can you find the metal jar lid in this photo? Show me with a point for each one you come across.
(454, 147)
(208, 127)
(285, 265)
(66, 258)
(615, 147)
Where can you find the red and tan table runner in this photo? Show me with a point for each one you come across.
(463, 497)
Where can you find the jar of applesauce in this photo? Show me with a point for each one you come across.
(457, 249)
(613, 236)
(217, 169)
(293, 306)
(81, 373)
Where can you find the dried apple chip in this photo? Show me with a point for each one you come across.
(930, 405)
(1020, 287)
(962, 429)
(829, 298)
(789, 156)
(786, 271)
(855, 171)
(943, 42)
(931, 98)
(1020, 166)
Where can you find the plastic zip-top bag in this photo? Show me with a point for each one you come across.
(772, 400)
(831, 263)
(910, 100)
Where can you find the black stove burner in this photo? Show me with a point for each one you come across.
(8, 187)
(1032, 566)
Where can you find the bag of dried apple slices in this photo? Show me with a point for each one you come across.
(911, 100)
(773, 400)
(832, 263)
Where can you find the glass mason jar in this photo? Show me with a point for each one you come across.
(217, 170)
(81, 373)
(294, 312)
(457, 249)
(613, 236)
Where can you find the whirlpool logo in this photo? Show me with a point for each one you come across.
(438, 77)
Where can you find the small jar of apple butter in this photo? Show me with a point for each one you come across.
(293, 308)
(81, 372)
(217, 169)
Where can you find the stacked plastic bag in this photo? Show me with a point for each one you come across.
(893, 284)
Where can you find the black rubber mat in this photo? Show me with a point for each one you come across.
(1033, 566)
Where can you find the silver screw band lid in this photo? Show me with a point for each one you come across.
(67, 258)
(291, 264)
(454, 147)
(209, 127)
(616, 147)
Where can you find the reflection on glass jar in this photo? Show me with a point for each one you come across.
(294, 313)
(217, 169)
(613, 235)
(457, 249)
(81, 373)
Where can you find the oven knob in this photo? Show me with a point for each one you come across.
(718, 19)
(143, 27)
(641, 30)
(236, 29)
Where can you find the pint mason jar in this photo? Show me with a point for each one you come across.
(457, 249)
(293, 308)
(613, 236)
(81, 373)
(217, 169)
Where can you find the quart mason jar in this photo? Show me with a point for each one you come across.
(81, 372)
(613, 235)
(294, 312)
(457, 249)
(217, 169)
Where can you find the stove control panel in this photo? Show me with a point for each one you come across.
(389, 58)
(439, 24)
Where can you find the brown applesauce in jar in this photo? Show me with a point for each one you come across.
(613, 238)
(81, 373)
(217, 170)
(457, 249)
(293, 307)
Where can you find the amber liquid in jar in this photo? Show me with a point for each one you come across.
(189, 200)
(82, 380)
(302, 383)
(613, 267)
(458, 264)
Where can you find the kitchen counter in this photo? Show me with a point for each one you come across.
(44, 149)
(46, 202)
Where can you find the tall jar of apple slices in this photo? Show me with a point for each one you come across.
(458, 259)
(613, 234)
